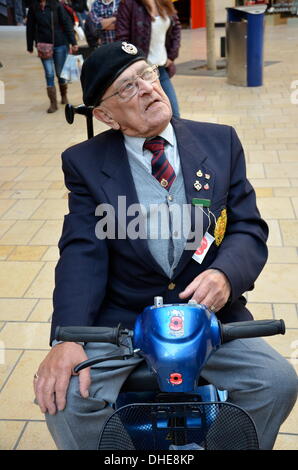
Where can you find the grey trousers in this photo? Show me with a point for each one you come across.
(256, 377)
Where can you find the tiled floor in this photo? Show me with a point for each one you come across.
(33, 202)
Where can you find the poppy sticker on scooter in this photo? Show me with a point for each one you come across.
(176, 323)
(176, 378)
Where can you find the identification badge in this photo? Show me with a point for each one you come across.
(202, 250)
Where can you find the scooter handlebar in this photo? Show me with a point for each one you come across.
(252, 329)
(229, 331)
(87, 334)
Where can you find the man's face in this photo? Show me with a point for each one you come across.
(144, 115)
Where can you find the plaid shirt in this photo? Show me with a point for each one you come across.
(100, 11)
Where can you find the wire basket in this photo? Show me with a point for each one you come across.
(164, 426)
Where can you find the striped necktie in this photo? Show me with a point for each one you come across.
(162, 170)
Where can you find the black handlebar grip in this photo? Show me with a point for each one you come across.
(252, 329)
(87, 334)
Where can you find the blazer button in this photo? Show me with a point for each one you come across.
(171, 286)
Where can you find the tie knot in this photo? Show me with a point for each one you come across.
(156, 144)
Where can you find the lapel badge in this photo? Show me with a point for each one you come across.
(220, 227)
(129, 48)
(206, 186)
(164, 183)
(197, 185)
(199, 173)
(207, 176)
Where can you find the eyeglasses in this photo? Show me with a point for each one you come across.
(129, 88)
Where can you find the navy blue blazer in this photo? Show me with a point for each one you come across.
(104, 282)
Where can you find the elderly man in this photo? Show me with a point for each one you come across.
(146, 159)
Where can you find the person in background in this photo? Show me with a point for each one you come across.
(48, 22)
(81, 9)
(67, 4)
(16, 10)
(154, 27)
(103, 15)
(93, 33)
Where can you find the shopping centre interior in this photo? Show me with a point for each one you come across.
(33, 199)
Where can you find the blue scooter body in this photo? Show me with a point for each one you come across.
(176, 341)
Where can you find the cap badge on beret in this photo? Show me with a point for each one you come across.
(129, 48)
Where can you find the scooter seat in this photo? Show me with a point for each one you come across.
(143, 379)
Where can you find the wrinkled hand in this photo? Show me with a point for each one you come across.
(54, 375)
(210, 288)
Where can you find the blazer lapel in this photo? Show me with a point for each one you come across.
(121, 193)
(198, 182)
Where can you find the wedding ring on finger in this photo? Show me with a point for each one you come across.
(213, 308)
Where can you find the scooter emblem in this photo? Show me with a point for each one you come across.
(176, 324)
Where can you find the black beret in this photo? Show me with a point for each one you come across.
(103, 66)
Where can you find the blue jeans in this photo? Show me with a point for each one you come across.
(55, 65)
(169, 90)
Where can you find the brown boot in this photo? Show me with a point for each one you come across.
(51, 90)
(63, 91)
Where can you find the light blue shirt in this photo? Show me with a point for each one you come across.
(134, 148)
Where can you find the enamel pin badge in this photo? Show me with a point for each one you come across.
(197, 185)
